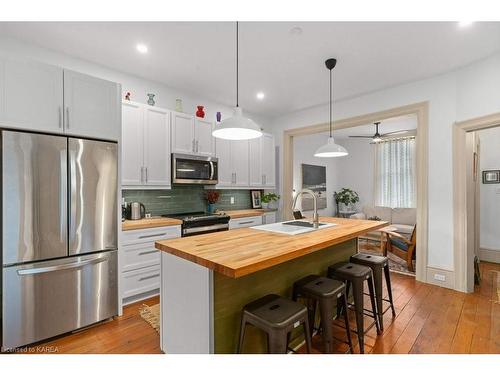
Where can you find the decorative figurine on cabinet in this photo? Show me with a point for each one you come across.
(200, 112)
(127, 96)
(218, 116)
(151, 100)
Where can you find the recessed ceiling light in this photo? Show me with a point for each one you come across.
(296, 30)
(465, 23)
(260, 95)
(142, 48)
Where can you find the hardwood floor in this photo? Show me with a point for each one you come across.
(429, 319)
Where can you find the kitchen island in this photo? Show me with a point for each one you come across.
(207, 279)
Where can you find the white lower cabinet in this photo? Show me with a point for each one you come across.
(245, 222)
(140, 261)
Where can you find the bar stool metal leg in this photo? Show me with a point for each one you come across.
(387, 274)
(374, 305)
(346, 321)
(377, 281)
(359, 307)
(243, 328)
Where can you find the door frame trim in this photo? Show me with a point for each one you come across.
(460, 129)
(421, 110)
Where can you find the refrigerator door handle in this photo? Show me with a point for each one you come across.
(72, 199)
(63, 192)
(33, 271)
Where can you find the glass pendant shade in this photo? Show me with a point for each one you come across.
(330, 150)
(237, 127)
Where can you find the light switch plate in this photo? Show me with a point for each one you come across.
(232, 200)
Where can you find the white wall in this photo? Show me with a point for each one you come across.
(355, 171)
(165, 96)
(489, 193)
(304, 148)
(468, 92)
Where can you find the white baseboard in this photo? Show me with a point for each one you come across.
(489, 255)
(441, 277)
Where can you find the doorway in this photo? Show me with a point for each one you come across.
(420, 110)
(467, 185)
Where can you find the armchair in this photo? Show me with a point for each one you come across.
(402, 247)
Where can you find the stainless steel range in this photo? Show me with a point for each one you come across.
(201, 223)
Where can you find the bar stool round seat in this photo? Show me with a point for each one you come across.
(327, 293)
(356, 275)
(379, 265)
(277, 317)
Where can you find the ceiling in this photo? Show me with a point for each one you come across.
(285, 63)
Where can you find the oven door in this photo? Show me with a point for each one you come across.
(190, 169)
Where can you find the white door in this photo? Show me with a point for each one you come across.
(132, 146)
(255, 171)
(205, 143)
(239, 159)
(31, 95)
(157, 146)
(91, 106)
(183, 137)
(225, 169)
(268, 160)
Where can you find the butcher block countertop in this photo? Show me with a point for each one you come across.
(238, 214)
(153, 222)
(240, 252)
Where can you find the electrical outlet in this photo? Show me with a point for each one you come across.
(439, 277)
(232, 200)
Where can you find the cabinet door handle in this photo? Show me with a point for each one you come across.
(67, 117)
(148, 252)
(246, 222)
(142, 175)
(146, 168)
(152, 235)
(197, 148)
(59, 112)
(192, 145)
(149, 277)
(265, 179)
(262, 179)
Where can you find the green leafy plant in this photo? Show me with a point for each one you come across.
(346, 196)
(269, 197)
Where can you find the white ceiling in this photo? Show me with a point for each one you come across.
(198, 57)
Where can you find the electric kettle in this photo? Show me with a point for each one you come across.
(136, 211)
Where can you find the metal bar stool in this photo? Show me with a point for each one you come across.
(327, 293)
(378, 265)
(277, 317)
(356, 275)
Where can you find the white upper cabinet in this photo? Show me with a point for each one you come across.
(225, 171)
(204, 141)
(262, 162)
(233, 163)
(132, 146)
(183, 139)
(31, 96)
(157, 147)
(267, 157)
(239, 159)
(145, 146)
(192, 135)
(91, 106)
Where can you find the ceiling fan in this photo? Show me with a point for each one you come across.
(377, 137)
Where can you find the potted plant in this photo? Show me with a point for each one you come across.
(212, 197)
(269, 199)
(347, 197)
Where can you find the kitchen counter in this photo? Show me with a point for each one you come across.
(243, 251)
(153, 222)
(237, 214)
(207, 279)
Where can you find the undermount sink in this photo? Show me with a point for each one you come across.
(293, 227)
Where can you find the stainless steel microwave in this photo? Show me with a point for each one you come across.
(194, 169)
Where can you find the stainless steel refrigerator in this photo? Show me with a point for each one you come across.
(59, 235)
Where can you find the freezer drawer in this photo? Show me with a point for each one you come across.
(46, 299)
(93, 208)
(34, 188)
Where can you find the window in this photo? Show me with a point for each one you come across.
(395, 171)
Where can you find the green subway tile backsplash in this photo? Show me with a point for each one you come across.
(183, 199)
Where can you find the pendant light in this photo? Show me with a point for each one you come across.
(331, 149)
(237, 127)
